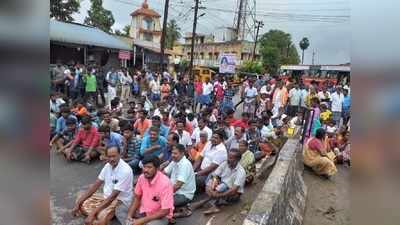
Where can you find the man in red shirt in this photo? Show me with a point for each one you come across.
(86, 141)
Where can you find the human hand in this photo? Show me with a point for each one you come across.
(89, 220)
(76, 210)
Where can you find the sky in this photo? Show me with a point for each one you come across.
(326, 23)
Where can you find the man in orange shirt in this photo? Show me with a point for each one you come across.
(142, 124)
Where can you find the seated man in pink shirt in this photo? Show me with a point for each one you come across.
(154, 196)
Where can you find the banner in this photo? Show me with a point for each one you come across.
(124, 55)
(227, 63)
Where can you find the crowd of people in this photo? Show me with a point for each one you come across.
(171, 139)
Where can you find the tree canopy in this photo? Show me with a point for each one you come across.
(173, 34)
(100, 17)
(277, 48)
(62, 10)
(304, 43)
(252, 67)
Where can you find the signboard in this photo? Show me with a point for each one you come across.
(227, 63)
(124, 55)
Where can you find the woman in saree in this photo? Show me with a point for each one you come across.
(316, 156)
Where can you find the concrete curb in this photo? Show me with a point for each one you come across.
(282, 199)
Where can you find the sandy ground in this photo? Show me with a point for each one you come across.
(328, 201)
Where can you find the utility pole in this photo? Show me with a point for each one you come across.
(259, 24)
(163, 35)
(196, 8)
(313, 55)
(239, 19)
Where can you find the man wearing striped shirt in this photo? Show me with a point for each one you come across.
(131, 149)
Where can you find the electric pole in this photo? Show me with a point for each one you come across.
(239, 19)
(163, 35)
(259, 24)
(196, 8)
(313, 55)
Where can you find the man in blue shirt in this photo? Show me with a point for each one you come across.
(153, 144)
(61, 121)
(156, 122)
(108, 139)
(346, 106)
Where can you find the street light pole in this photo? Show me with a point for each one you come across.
(259, 24)
(196, 8)
(163, 35)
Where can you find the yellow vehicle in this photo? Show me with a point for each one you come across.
(203, 73)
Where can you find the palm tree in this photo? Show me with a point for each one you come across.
(173, 33)
(304, 43)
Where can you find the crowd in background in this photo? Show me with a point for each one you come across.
(170, 138)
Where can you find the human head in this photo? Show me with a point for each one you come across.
(151, 164)
(71, 123)
(203, 136)
(320, 134)
(253, 124)
(104, 131)
(173, 139)
(315, 102)
(243, 145)
(345, 92)
(127, 131)
(178, 151)
(113, 155)
(217, 138)
(154, 133)
(86, 123)
(245, 116)
(142, 114)
(106, 116)
(202, 123)
(156, 121)
(180, 126)
(238, 132)
(65, 111)
(234, 157)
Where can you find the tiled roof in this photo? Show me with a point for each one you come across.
(145, 10)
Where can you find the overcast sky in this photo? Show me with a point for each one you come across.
(326, 23)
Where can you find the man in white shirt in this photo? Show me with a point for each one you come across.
(324, 96)
(181, 173)
(227, 183)
(184, 136)
(233, 142)
(337, 104)
(155, 89)
(117, 177)
(126, 81)
(250, 94)
(213, 155)
(294, 100)
(202, 127)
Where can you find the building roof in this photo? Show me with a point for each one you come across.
(145, 10)
(75, 33)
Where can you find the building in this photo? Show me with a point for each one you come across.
(145, 34)
(77, 43)
(207, 50)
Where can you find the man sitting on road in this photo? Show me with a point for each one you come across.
(247, 161)
(226, 184)
(109, 121)
(233, 142)
(213, 155)
(86, 141)
(117, 178)
(131, 149)
(65, 138)
(182, 176)
(154, 196)
(156, 122)
(108, 138)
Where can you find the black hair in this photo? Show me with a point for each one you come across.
(104, 128)
(126, 127)
(156, 118)
(122, 123)
(236, 152)
(154, 128)
(320, 133)
(86, 120)
(220, 134)
(70, 121)
(180, 147)
(151, 159)
(113, 146)
(65, 109)
(175, 137)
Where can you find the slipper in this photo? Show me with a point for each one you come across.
(211, 211)
(183, 213)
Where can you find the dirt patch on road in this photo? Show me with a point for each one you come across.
(328, 201)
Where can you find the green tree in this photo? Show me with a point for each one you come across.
(99, 17)
(304, 43)
(62, 10)
(252, 67)
(173, 34)
(277, 48)
(126, 30)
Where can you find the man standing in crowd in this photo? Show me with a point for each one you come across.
(337, 105)
(154, 196)
(126, 82)
(294, 100)
(112, 81)
(90, 86)
(117, 178)
(101, 86)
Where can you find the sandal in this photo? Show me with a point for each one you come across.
(185, 212)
